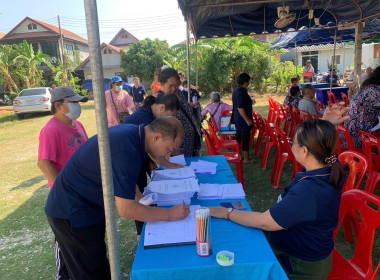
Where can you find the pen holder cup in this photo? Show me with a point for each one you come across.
(203, 242)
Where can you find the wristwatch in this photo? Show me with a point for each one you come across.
(229, 211)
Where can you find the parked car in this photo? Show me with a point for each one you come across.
(87, 85)
(32, 100)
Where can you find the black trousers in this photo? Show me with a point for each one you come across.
(83, 249)
(243, 136)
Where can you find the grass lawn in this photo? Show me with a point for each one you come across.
(26, 241)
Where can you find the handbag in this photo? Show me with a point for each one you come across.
(122, 116)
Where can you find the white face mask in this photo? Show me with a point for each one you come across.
(74, 111)
(118, 88)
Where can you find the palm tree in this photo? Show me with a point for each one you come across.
(6, 67)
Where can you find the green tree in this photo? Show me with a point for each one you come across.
(31, 62)
(8, 77)
(144, 58)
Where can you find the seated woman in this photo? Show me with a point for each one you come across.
(365, 108)
(300, 226)
(216, 108)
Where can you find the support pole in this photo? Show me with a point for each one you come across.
(188, 57)
(333, 59)
(296, 57)
(62, 53)
(358, 56)
(196, 62)
(103, 136)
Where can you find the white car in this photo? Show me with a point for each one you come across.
(32, 100)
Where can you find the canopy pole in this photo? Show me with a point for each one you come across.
(333, 59)
(188, 56)
(196, 62)
(103, 136)
(296, 57)
(358, 56)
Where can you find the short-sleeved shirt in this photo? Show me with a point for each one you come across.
(309, 105)
(334, 79)
(141, 116)
(242, 100)
(216, 110)
(123, 102)
(138, 93)
(77, 192)
(308, 212)
(59, 141)
(156, 86)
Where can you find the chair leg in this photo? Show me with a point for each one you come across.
(280, 166)
(240, 172)
(258, 144)
(274, 169)
(267, 148)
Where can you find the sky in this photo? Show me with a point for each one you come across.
(152, 19)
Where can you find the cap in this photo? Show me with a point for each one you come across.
(67, 93)
(116, 79)
(307, 61)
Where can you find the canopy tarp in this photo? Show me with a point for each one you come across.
(218, 18)
(324, 35)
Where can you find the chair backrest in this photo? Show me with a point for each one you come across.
(344, 141)
(272, 110)
(226, 113)
(358, 167)
(281, 114)
(332, 98)
(304, 115)
(371, 146)
(212, 122)
(345, 98)
(214, 136)
(320, 106)
(259, 123)
(283, 142)
(296, 115)
(209, 143)
(365, 207)
(271, 130)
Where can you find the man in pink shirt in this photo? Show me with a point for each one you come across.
(216, 108)
(59, 139)
(118, 101)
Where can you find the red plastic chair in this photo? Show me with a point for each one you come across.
(296, 115)
(284, 154)
(363, 207)
(226, 113)
(262, 132)
(293, 122)
(371, 146)
(320, 106)
(254, 130)
(272, 110)
(332, 98)
(231, 157)
(304, 115)
(358, 168)
(281, 115)
(223, 144)
(271, 141)
(344, 141)
(345, 98)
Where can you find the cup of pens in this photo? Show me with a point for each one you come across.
(203, 242)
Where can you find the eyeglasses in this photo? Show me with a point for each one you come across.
(292, 142)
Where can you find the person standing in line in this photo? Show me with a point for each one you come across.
(138, 93)
(156, 86)
(59, 139)
(242, 114)
(118, 102)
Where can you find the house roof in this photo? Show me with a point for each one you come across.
(122, 30)
(102, 46)
(323, 47)
(2, 34)
(53, 29)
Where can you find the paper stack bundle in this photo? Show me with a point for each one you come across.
(173, 192)
(204, 167)
(173, 174)
(224, 191)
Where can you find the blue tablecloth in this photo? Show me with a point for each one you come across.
(323, 97)
(315, 85)
(254, 259)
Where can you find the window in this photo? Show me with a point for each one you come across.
(109, 51)
(69, 49)
(35, 47)
(49, 48)
(32, 26)
(124, 36)
(337, 59)
(105, 51)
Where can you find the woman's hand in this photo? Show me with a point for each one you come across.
(218, 212)
(335, 114)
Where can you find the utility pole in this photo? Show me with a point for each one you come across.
(63, 58)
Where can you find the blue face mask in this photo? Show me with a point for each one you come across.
(74, 111)
(118, 88)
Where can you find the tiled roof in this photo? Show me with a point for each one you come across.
(2, 34)
(323, 47)
(102, 46)
(116, 49)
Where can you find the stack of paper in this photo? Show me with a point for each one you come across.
(173, 192)
(204, 167)
(159, 234)
(173, 174)
(178, 159)
(225, 191)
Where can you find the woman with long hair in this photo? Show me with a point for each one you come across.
(300, 226)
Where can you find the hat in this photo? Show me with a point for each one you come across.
(67, 93)
(307, 61)
(116, 79)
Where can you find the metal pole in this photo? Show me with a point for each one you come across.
(188, 57)
(296, 57)
(358, 56)
(103, 136)
(333, 59)
(196, 62)
(63, 58)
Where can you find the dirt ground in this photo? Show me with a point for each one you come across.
(5, 109)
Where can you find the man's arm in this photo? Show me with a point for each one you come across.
(131, 209)
(48, 170)
(244, 116)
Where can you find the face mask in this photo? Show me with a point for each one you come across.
(74, 111)
(186, 89)
(118, 88)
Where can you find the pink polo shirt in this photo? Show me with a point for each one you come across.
(123, 102)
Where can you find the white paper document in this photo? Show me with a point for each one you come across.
(174, 186)
(172, 174)
(224, 191)
(204, 167)
(178, 159)
(171, 199)
(159, 234)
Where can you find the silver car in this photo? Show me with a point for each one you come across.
(32, 100)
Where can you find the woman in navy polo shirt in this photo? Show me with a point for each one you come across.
(302, 223)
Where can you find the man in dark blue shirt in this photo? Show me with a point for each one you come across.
(335, 78)
(138, 93)
(75, 207)
(242, 114)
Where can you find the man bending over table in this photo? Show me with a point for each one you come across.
(75, 208)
